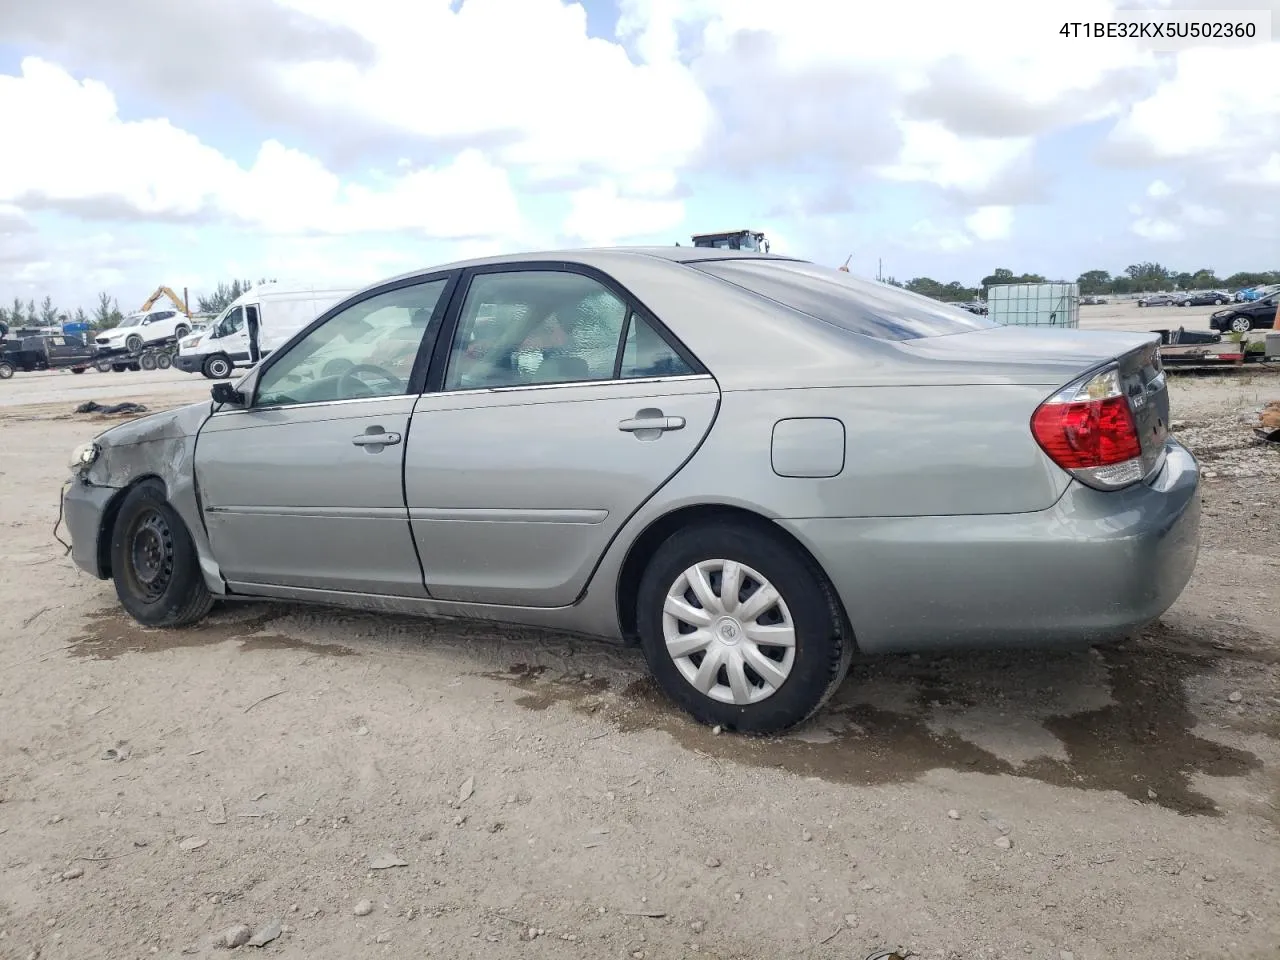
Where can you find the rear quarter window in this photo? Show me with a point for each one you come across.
(859, 306)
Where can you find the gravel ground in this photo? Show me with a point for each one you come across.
(364, 785)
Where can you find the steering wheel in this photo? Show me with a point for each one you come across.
(379, 372)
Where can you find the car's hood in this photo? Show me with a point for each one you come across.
(116, 334)
(166, 425)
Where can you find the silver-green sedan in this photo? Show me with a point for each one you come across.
(750, 465)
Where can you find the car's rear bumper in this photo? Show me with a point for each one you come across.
(1093, 567)
(83, 509)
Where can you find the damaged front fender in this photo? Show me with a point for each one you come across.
(160, 446)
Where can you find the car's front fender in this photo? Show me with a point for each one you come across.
(161, 446)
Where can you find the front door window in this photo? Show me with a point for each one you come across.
(366, 351)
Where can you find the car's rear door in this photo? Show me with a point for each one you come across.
(561, 407)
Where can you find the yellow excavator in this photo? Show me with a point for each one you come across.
(162, 291)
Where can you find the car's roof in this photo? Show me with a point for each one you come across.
(598, 257)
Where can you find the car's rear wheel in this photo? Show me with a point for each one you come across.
(181, 330)
(154, 563)
(740, 629)
(1241, 324)
(6, 370)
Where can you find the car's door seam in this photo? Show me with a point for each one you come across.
(586, 585)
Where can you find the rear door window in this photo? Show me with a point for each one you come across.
(860, 306)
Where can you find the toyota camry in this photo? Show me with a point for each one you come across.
(749, 465)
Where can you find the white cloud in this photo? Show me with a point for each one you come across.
(599, 216)
(1158, 230)
(932, 153)
(990, 223)
(151, 169)
(1221, 105)
(927, 236)
(521, 73)
(1159, 188)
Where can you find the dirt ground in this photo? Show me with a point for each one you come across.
(507, 793)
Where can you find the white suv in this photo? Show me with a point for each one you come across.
(142, 329)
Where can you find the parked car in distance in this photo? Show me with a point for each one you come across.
(56, 352)
(1093, 301)
(139, 330)
(1261, 293)
(750, 465)
(1211, 297)
(1243, 317)
(1159, 300)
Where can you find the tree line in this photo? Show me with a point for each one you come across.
(1144, 277)
(106, 313)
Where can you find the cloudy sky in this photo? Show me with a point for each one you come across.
(149, 141)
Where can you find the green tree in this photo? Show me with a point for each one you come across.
(17, 317)
(1205, 279)
(223, 296)
(80, 316)
(1093, 282)
(48, 312)
(32, 316)
(107, 313)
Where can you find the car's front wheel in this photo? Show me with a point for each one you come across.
(134, 343)
(217, 367)
(740, 629)
(154, 563)
(6, 370)
(1241, 324)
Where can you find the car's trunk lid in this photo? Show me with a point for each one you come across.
(1055, 358)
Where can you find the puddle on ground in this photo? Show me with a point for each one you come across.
(1125, 724)
(111, 632)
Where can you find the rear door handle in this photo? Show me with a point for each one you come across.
(376, 439)
(651, 423)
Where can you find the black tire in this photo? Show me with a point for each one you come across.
(154, 564)
(1241, 324)
(823, 644)
(133, 343)
(104, 366)
(6, 370)
(147, 361)
(119, 367)
(77, 369)
(181, 330)
(217, 367)
(163, 361)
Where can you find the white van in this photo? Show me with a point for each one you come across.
(254, 324)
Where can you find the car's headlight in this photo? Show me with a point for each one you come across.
(84, 455)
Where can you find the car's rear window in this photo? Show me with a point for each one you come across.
(861, 306)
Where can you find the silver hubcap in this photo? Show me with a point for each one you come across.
(729, 632)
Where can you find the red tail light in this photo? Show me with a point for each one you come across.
(1087, 429)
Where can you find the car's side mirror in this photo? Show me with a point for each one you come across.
(225, 393)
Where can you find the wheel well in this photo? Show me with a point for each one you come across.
(647, 544)
(109, 521)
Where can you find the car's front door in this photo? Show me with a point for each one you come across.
(562, 408)
(303, 487)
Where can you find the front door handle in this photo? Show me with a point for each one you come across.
(375, 437)
(638, 424)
